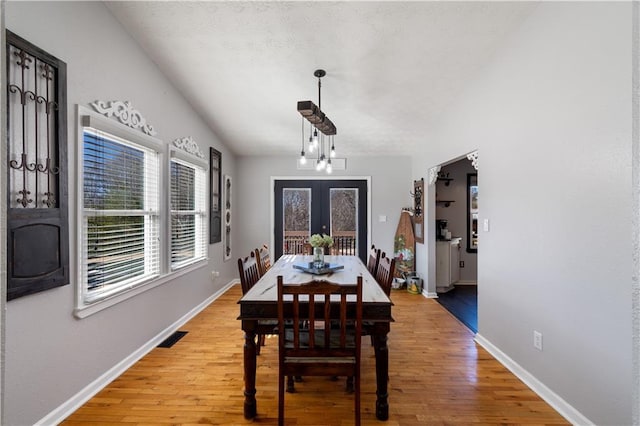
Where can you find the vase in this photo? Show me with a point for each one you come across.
(318, 257)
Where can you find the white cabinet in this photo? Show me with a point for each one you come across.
(447, 264)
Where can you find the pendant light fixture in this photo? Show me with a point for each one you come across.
(318, 121)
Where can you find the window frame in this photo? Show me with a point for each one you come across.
(85, 307)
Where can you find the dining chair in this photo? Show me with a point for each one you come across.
(374, 259)
(264, 259)
(307, 248)
(249, 272)
(249, 275)
(385, 272)
(331, 348)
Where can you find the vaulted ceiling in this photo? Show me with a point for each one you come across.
(392, 67)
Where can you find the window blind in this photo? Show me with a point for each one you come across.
(121, 214)
(188, 213)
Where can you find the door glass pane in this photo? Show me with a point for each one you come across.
(296, 207)
(344, 220)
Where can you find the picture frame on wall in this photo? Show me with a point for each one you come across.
(227, 188)
(472, 213)
(418, 210)
(215, 196)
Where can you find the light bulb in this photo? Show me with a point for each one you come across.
(333, 152)
(318, 165)
(329, 167)
(315, 138)
(303, 159)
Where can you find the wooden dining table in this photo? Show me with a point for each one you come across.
(259, 310)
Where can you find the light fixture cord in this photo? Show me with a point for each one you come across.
(319, 103)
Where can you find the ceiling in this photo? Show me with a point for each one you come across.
(392, 67)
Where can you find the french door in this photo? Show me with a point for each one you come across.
(333, 207)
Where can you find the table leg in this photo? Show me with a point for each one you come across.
(382, 374)
(250, 406)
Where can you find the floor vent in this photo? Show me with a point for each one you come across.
(171, 340)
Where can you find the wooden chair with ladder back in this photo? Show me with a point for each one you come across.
(374, 259)
(330, 350)
(249, 275)
(264, 259)
(385, 272)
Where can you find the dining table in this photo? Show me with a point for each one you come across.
(259, 312)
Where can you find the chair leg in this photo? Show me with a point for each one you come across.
(258, 340)
(357, 399)
(280, 400)
(290, 386)
(349, 384)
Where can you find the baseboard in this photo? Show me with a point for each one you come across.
(429, 295)
(466, 282)
(70, 406)
(554, 400)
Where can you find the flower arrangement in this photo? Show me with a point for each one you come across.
(324, 240)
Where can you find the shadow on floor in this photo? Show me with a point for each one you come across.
(462, 302)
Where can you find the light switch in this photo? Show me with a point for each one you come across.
(485, 225)
(382, 218)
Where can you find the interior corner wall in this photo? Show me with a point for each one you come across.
(390, 186)
(550, 116)
(51, 355)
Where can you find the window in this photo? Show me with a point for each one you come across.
(121, 215)
(142, 209)
(188, 214)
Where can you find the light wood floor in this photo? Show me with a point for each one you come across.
(438, 376)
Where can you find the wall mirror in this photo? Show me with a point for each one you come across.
(472, 212)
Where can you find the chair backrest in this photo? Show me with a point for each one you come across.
(249, 273)
(384, 274)
(264, 260)
(374, 259)
(319, 302)
(307, 248)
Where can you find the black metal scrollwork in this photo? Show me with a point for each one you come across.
(30, 137)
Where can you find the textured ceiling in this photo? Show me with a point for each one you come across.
(392, 67)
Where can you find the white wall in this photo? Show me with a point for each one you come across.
(551, 119)
(51, 355)
(390, 182)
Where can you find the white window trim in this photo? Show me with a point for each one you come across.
(83, 309)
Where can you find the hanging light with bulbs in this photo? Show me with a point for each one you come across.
(321, 131)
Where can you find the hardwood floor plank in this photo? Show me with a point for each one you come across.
(438, 376)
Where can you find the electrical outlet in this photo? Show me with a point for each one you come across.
(462, 263)
(537, 340)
